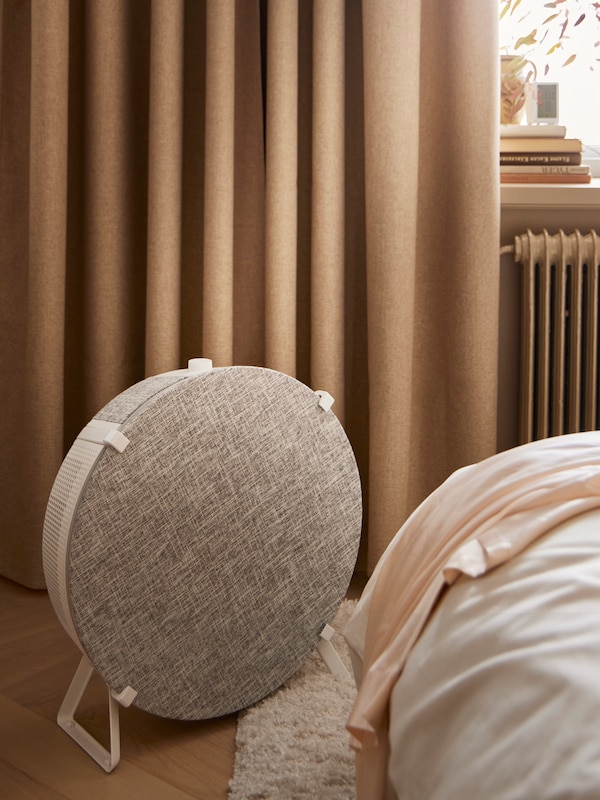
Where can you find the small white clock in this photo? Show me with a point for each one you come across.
(541, 103)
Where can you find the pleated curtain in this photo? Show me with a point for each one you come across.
(306, 185)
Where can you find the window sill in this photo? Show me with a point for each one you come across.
(544, 195)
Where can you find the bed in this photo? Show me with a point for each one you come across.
(476, 642)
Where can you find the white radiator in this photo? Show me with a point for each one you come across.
(559, 333)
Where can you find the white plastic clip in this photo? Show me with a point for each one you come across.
(327, 633)
(200, 364)
(126, 697)
(325, 399)
(330, 655)
(116, 440)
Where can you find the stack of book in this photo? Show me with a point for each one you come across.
(540, 154)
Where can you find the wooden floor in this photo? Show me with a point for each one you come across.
(160, 759)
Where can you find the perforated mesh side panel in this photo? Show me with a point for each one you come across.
(60, 511)
(68, 489)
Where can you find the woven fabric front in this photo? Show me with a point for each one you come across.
(206, 558)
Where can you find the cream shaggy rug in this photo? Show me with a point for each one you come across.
(293, 745)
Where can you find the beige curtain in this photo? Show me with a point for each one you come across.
(308, 185)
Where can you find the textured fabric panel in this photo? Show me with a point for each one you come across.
(206, 558)
(133, 398)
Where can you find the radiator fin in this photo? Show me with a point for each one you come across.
(559, 333)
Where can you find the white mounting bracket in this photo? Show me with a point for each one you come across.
(325, 400)
(107, 759)
(330, 655)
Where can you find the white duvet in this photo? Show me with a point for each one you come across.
(495, 693)
(500, 697)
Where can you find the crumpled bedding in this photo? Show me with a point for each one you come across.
(479, 519)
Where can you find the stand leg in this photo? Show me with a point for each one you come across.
(108, 760)
(330, 655)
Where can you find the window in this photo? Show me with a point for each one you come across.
(533, 27)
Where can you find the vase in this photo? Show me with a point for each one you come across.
(513, 80)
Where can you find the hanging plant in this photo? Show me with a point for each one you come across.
(555, 22)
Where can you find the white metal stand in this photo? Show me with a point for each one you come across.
(107, 759)
(330, 655)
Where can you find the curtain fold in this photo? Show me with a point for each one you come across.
(217, 308)
(165, 164)
(392, 148)
(110, 198)
(281, 201)
(327, 201)
(33, 271)
(431, 246)
(307, 185)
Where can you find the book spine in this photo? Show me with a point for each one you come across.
(533, 131)
(547, 170)
(549, 145)
(524, 177)
(539, 158)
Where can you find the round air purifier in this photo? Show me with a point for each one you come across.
(200, 534)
